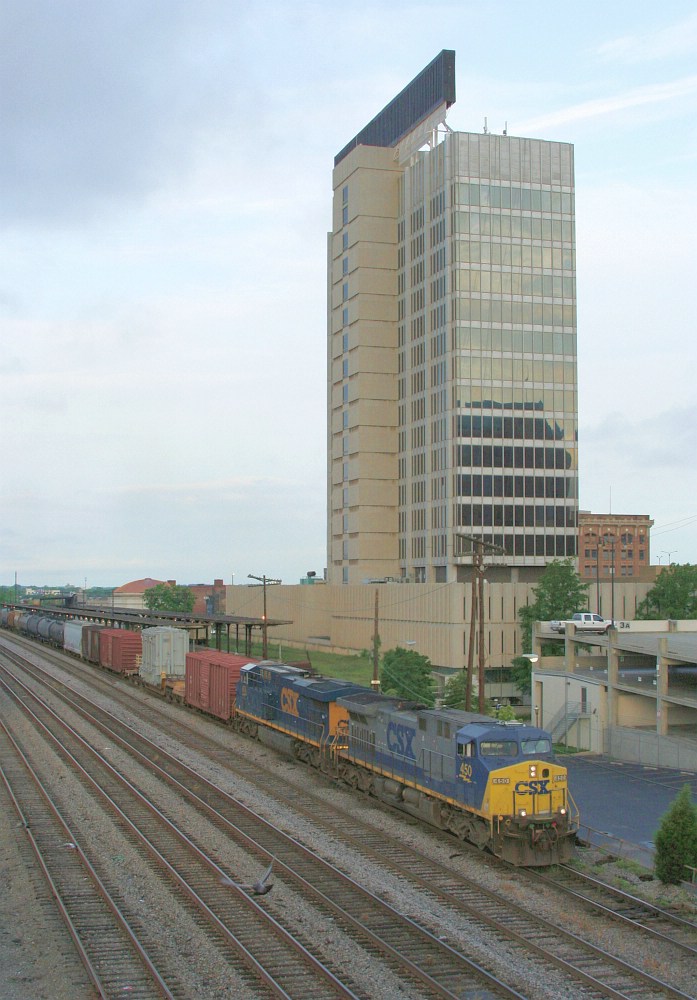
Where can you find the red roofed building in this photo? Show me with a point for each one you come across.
(210, 597)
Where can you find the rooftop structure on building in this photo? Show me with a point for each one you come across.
(452, 383)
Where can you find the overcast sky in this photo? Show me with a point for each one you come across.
(165, 179)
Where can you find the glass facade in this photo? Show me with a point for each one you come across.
(487, 383)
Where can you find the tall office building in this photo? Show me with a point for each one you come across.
(452, 386)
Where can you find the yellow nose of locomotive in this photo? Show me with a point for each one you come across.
(529, 790)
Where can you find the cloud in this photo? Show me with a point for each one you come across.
(99, 101)
(675, 40)
(652, 94)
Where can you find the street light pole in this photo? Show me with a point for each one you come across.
(263, 580)
(611, 541)
(612, 585)
(597, 577)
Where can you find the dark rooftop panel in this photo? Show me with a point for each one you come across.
(433, 86)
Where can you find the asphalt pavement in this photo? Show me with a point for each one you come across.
(621, 805)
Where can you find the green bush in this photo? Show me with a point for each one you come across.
(676, 840)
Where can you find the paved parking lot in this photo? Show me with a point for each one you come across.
(622, 804)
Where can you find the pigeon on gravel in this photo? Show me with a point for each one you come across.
(259, 888)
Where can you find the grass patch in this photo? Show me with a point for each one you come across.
(356, 668)
(633, 867)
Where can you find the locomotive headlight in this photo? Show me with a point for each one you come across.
(562, 811)
(522, 813)
(533, 771)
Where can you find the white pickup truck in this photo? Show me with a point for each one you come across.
(584, 622)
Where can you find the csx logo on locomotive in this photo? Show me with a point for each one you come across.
(533, 787)
(399, 739)
(289, 702)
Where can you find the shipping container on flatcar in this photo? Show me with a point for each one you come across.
(90, 642)
(72, 635)
(211, 680)
(120, 650)
(164, 655)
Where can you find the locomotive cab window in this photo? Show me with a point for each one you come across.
(465, 749)
(498, 748)
(536, 746)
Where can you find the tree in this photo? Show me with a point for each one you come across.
(559, 594)
(169, 597)
(455, 690)
(676, 840)
(674, 595)
(407, 674)
(522, 674)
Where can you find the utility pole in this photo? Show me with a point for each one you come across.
(264, 580)
(477, 617)
(375, 683)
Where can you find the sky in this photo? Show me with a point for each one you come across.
(165, 195)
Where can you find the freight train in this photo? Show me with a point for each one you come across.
(493, 783)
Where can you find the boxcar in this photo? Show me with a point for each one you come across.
(120, 650)
(211, 680)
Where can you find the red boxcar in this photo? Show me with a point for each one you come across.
(120, 650)
(90, 642)
(211, 679)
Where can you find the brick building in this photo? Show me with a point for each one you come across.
(619, 542)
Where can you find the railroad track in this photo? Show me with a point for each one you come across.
(599, 972)
(238, 923)
(662, 925)
(410, 951)
(114, 957)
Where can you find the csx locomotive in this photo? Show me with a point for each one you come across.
(493, 783)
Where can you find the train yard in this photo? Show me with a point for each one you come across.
(167, 815)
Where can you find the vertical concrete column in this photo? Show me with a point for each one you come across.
(662, 688)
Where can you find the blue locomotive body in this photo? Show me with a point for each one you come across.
(494, 783)
(288, 701)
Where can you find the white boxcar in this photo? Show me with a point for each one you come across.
(72, 636)
(164, 652)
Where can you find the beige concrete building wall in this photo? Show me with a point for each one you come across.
(361, 444)
(635, 710)
(432, 619)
